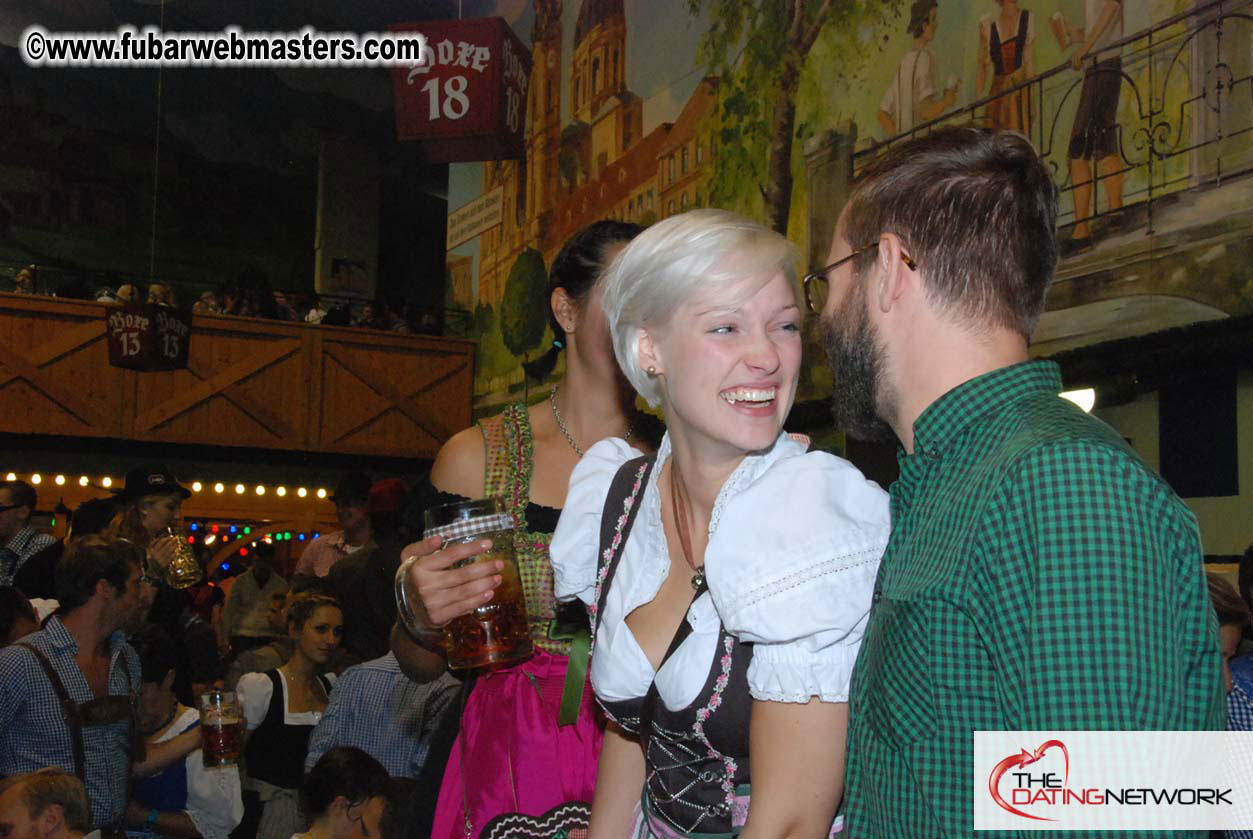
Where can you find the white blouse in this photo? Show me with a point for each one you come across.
(214, 799)
(794, 546)
(255, 691)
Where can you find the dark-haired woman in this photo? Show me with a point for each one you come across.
(281, 707)
(521, 749)
(337, 790)
(184, 799)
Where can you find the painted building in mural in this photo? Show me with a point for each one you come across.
(640, 109)
(630, 116)
(599, 165)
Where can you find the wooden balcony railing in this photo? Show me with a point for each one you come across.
(248, 383)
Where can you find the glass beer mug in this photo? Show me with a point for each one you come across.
(497, 632)
(184, 570)
(221, 728)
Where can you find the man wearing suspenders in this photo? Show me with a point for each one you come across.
(69, 692)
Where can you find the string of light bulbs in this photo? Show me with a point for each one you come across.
(218, 488)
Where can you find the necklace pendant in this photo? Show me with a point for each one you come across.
(698, 579)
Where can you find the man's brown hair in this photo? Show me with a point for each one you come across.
(976, 210)
(1228, 604)
(90, 560)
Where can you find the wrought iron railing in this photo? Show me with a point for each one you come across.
(1185, 115)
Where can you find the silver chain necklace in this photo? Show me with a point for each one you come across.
(561, 423)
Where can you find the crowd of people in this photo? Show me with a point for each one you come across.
(734, 635)
(297, 307)
(104, 665)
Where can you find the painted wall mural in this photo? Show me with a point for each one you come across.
(639, 109)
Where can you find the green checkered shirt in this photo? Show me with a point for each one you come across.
(1040, 576)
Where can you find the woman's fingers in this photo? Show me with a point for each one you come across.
(162, 550)
(447, 592)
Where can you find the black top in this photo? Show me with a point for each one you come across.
(539, 519)
(363, 583)
(692, 770)
(276, 751)
(1020, 43)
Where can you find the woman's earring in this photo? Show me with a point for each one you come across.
(652, 371)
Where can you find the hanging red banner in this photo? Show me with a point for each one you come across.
(467, 101)
(147, 337)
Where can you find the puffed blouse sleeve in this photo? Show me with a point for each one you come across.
(791, 569)
(576, 542)
(254, 692)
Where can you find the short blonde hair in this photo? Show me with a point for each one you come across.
(668, 263)
(38, 790)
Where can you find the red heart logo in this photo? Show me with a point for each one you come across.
(1024, 758)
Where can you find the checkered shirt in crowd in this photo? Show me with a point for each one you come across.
(378, 709)
(13, 554)
(1039, 576)
(33, 731)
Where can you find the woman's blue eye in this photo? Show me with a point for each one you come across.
(722, 330)
(792, 327)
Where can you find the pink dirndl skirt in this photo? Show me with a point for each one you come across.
(511, 756)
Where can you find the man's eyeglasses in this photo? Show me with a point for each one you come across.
(818, 287)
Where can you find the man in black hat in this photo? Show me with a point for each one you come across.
(352, 500)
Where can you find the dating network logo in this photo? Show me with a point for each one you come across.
(1112, 780)
(1039, 787)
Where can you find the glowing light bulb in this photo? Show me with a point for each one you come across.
(36, 478)
(1085, 398)
(321, 492)
(302, 492)
(106, 482)
(260, 490)
(196, 486)
(218, 487)
(12, 476)
(84, 481)
(239, 489)
(60, 480)
(281, 491)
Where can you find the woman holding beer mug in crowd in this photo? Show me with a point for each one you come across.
(186, 798)
(730, 575)
(281, 707)
(529, 734)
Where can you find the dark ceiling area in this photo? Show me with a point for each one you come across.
(235, 160)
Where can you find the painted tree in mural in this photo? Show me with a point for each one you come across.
(759, 49)
(522, 311)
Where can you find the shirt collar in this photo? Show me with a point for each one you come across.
(946, 418)
(62, 638)
(750, 469)
(59, 635)
(21, 540)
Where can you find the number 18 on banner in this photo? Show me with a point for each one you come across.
(467, 99)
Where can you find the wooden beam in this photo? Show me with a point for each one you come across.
(188, 398)
(22, 368)
(60, 345)
(397, 399)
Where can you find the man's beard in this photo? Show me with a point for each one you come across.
(856, 357)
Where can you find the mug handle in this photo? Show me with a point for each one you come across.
(424, 635)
